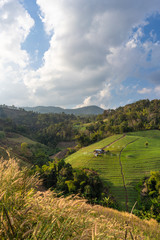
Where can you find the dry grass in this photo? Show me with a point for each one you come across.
(26, 213)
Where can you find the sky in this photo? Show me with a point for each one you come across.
(72, 54)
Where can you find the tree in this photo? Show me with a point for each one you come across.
(149, 203)
(83, 139)
(24, 147)
(146, 144)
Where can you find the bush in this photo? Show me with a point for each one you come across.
(2, 135)
(149, 203)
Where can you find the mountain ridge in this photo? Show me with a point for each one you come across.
(88, 110)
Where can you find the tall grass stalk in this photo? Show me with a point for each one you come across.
(27, 213)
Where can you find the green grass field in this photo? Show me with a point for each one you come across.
(136, 159)
(20, 139)
(12, 142)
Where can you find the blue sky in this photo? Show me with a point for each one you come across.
(37, 42)
(76, 53)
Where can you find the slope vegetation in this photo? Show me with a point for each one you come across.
(89, 110)
(29, 151)
(28, 213)
(127, 159)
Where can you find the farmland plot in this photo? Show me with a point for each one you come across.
(128, 159)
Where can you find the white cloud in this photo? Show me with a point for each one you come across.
(144, 90)
(15, 25)
(92, 49)
(86, 102)
(105, 91)
(157, 90)
(98, 99)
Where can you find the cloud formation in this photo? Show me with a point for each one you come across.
(95, 46)
(144, 90)
(92, 47)
(15, 25)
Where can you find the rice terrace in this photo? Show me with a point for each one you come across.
(126, 160)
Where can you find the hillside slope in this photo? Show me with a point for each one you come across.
(28, 213)
(128, 159)
(29, 151)
(89, 110)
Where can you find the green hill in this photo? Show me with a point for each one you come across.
(89, 110)
(27, 150)
(126, 162)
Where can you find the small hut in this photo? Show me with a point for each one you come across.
(98, 152)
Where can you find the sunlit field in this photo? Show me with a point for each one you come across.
(128, 155)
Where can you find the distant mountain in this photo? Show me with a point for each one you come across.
(90, 110)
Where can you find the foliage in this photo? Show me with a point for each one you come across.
(146, 143)
(24, 147)
(83, 139)
(50, 129)
(70, 151)
(26, 213)
(61, 176)
(149, 197)
(2, 135)
(141, 115)
(136, 160)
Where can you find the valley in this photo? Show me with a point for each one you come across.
(112, 160)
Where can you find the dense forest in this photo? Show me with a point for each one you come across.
(141, 115)
(53, 128)
(48, 129)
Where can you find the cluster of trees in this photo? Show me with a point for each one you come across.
(36, 154)
(48, 129)
(141, 115)
(93, 132)
(61, 176)
(149, 197)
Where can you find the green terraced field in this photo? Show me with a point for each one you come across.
(20, 139)
(136, 160)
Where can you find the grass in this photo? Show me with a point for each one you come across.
(136, 159)
(20, 139)
(13, 141)
(28, 213)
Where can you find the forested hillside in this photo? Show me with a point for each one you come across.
(141, 115)
(48, 129)
(89, 110)
(138, 116)
(52, 128)
(115, 179)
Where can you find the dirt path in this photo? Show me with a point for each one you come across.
(114, 142)
(124, 184)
